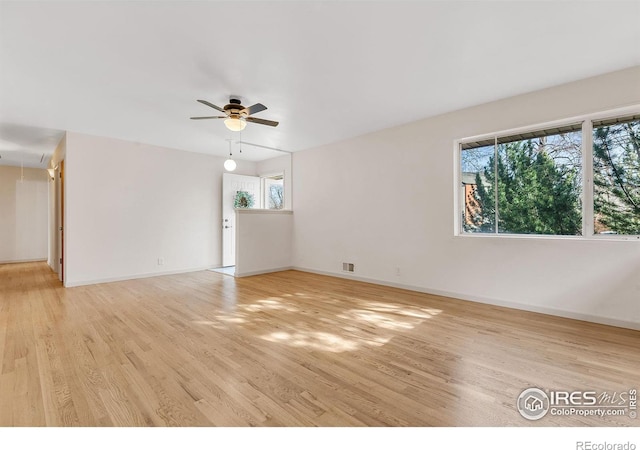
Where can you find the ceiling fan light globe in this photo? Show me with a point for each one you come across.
(235, 124)
(230, 165)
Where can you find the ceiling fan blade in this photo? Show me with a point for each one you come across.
(208, 117)
(255, 108)
(271, 123)
(204, 102)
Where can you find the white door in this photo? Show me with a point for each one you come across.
(231, 184)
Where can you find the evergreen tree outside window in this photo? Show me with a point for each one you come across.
(526, 184)
(616, 176)
(478, 215)
(532, 182)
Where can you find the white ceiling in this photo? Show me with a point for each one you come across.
(27, 146)
(326, 70)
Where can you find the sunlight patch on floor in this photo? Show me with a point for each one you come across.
(378, 320)
(231, 319)
(327, 335)
(211, 324)
(315, 340)
(368, 324)
(272, 303)
(204, 322)
(404, 310)
(386, 315)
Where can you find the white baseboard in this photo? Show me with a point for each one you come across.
(133, 277)
(260, 272)
(17, 261)
(487, 300)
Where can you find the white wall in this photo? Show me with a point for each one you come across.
(385, 201)
(281, 164)
(129, 204)
(23, 214)
(263, 241)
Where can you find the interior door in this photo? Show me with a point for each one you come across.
(231, 184)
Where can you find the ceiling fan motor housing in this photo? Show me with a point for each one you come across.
(235, 110)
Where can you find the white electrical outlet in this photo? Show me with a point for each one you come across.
(161, 261)
(397, 271)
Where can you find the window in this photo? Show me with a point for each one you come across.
(533, 182)
(616, 176)
(479, 211)
(274, 192)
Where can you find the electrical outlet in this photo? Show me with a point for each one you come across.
(161, 261)
(397, 271)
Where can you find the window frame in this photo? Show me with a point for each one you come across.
(587, 176)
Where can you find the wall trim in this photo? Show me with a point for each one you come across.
(68, 284)
(261, 272)
(486, 300)
(17, 261)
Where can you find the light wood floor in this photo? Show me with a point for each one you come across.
(290, 348)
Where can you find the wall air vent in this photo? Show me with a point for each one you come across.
(348, 267)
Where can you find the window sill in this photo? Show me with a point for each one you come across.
(263, 211)
(595, 238)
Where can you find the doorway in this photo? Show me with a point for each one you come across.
(231, 185)
(265, 192)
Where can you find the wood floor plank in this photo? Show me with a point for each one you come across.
(7, 396)
(285, 349)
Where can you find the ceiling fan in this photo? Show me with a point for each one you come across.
(236, 116)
